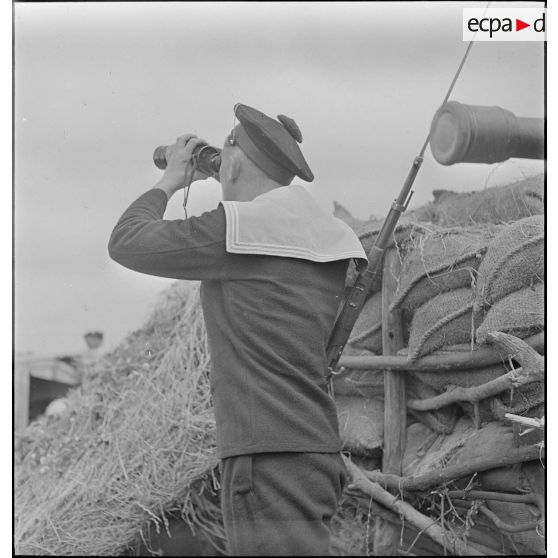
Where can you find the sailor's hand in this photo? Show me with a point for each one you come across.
(180, 165)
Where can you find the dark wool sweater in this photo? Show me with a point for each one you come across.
(268, 321)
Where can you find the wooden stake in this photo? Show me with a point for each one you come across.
(22, 384)
(386, 536)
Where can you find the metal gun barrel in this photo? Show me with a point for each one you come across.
(477, 134)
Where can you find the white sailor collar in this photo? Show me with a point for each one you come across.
(287, 222)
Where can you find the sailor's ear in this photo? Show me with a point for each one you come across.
(230, 171)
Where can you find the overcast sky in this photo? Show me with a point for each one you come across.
(99, 86)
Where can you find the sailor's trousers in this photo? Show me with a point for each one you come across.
(280, 504)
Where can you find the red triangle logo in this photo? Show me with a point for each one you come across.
(519, 25)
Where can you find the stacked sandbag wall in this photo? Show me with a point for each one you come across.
(478, 267)
(456, 286)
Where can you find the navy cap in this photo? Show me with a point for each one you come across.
(272, 145)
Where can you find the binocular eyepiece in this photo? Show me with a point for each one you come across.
(205, 158)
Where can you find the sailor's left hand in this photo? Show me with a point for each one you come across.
(180, 165)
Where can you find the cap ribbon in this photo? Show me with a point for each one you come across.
(274, 170)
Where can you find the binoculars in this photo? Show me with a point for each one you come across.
(205, 158)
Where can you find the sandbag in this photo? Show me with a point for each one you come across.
(425, 451)
(367, 331)
(358, 383)
(439, 261)
(514, 259)
(444, 320)
(513, 513)
(527, 401)
(368, 232)
(367, 235)
(498, 204)
(520, 313)
(361, 424)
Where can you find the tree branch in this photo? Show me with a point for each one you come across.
(422, 522)
(509, 528)
(437, 362)
(474, 394)
(531, 362)
(433, 478)
(531, 370)
(500, 496)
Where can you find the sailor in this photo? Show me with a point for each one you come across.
(272, 266)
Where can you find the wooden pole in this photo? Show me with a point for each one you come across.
(431, 479)
(22, 383)
(422, 522)
(386, 536)
(441, 362)
(474, 394)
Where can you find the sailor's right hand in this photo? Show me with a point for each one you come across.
(180, 164)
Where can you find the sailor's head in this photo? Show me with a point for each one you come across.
(260, 153)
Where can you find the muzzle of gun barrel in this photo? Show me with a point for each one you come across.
(477, 134)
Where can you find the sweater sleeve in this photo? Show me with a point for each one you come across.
(192, 248)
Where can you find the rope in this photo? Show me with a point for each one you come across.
(188, 176)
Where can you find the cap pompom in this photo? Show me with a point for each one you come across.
(291, 127)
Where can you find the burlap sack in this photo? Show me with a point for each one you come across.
(520, 313)
(444, 320)
(368, 233)
(464, 444)
(358, 383)
(526, 543)
(438, 262)
(361, 424)
(498, 204)
(367, 331)
(514, 259)
(527, 401)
